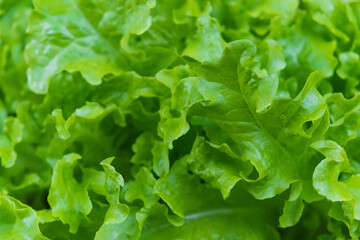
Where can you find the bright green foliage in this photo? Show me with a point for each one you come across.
(18, 221)
(179, 119)
(74, 200)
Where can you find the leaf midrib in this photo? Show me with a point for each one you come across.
(202, 215)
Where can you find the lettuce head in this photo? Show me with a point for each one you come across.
(179, 119)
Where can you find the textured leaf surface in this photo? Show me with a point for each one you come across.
(179, 119)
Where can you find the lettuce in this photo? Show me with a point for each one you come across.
(195, 119)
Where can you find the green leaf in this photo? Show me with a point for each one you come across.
(293, 207)
(182, 191)
(17, 220)
(332, 13)
(90, 111)
(151, 153)
(222, 218)
(329, 183)
(325, 181)
(221, 224)
(349, 69)
(13, 135)
(128, 229)
(142, 188)
(303, 48)
(344, 117)
(207, 44)
(263, 135)
(62, 129)
(113, 181)
(64, 44)
(69, 200)
(188, 8)
(215, 167)
(338, 212)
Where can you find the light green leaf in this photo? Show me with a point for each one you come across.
(91, 110)
(326, 181)
(63, 131)
(62, 30)
(329, 183)
(113, 181)
(189, 8)
(129, 229)
(293, 207)
(216, 168)
(160, 158)
(349, 70)
(18, 221)
(177, 190)
(151, 153)
(13, 135)
(142, 188)
(142, 149)
(68, 198)
(207, 44)
(344, 117)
